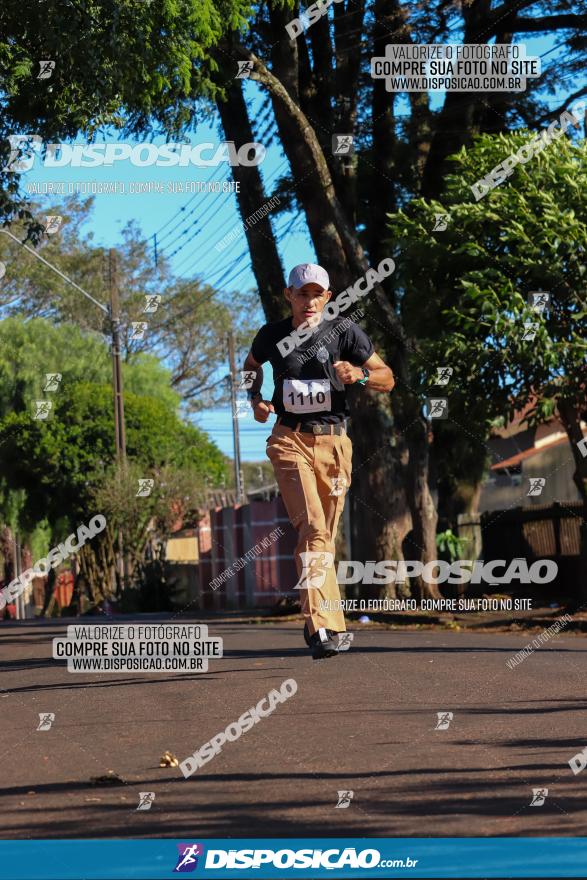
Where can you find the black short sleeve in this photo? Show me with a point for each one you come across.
(263, 345)
(356, 347)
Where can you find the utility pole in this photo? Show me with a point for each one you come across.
(238, 477)
(19, 601)
(119, 423)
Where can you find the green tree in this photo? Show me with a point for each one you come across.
(186, 326)
(29, 349)
(59, 460)
(63, 463)
(127, 64)
(467, 291)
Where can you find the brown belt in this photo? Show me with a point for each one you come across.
(340, 428)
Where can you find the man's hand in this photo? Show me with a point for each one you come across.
(262, 410)
(347, 373)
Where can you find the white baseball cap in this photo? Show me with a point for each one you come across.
(306, 273)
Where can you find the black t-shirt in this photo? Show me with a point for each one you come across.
(307, 388)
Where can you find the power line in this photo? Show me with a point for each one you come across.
(177, 213)
(268, 184)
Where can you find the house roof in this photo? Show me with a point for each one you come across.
(527, 453)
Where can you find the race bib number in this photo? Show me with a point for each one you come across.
(306, 395)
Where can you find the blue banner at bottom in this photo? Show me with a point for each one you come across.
(304, 858)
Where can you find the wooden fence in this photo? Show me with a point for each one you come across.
(539, 532)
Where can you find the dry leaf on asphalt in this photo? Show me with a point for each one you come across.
(168, 759)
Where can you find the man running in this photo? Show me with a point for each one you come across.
(309, 448)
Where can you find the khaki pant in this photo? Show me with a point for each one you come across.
(313, 472)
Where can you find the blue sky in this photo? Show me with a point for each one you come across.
(188, 226)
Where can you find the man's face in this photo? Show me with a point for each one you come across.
(307, 302)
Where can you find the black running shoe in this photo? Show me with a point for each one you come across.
(306, 635)
(323, 644)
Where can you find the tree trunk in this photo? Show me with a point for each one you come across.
(7, 550)
(424, 516)
(262, 247)
(383, 177)
(97, 566)
(380, 516)
(461, 111)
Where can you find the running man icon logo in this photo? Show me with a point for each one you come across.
(443, 375)
(246, 379)
(437, 408)
(138, 329)
(42, 409)
(539, 795)
(444, 719)
(146, 799)
(342, 145)
(441, 222)
(339, 485)
(46, 69)
(537, 484)
(53, 224)
(145, 488)
(152, 302)
(245, 69)
(345, 640)
(315, 565)
(344, 800)
(29, 144)
(538, 300)
(52, 381)
(530, 328)
(46, 719)
(188, 857)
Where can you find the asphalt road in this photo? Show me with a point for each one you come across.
(363, 721)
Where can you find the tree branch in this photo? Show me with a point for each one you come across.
(549, 23)
(498, 17)
(352, 247)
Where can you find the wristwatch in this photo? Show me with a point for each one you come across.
(365, 378)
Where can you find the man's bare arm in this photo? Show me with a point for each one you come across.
(252, 366)
(380, 375)
(261, 408)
